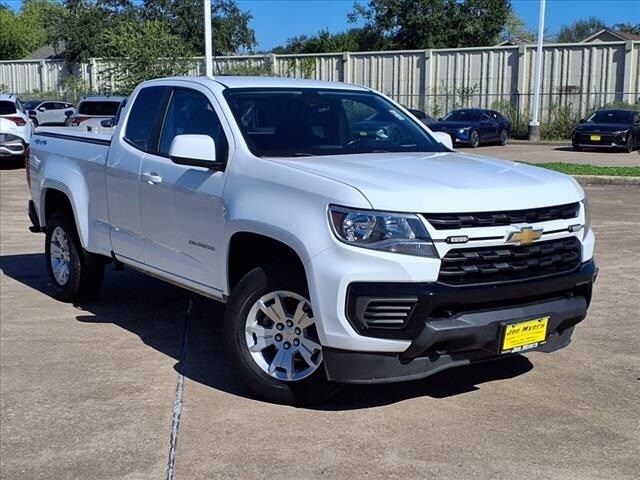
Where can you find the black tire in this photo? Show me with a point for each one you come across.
(474, 139)
(35, 122)
(504, 137)
(86, 270)
(257, 283)
(629, 146)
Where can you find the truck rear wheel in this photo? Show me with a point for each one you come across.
(75, 274)
(271, 337)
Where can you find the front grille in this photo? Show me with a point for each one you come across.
(510, 262)
(605, 139)
(453, 221)
(385, 312)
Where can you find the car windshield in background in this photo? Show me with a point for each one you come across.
(106, 109)
(463, 116)
(7, 108)
(305, 122)
(31, 104)
(610, 116)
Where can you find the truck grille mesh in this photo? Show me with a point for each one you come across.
(510, 262)
(453, 221)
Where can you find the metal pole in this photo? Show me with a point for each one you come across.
(534, 126)
(208, 50)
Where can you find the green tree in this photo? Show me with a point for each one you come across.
(515, 27)
(579, 30)
(417, 24)
(230, 24)
(353, 40)
(627, 27)
(23, 32)
(149, 51)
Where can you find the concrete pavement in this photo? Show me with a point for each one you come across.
(89, 391)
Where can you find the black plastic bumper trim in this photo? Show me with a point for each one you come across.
(367, 368)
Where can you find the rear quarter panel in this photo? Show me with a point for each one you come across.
(62, 159)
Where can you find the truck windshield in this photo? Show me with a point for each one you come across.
(306, 122)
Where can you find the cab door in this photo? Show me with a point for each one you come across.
(182, 206)
(488, 128)
(140, 135)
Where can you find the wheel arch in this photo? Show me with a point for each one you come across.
(57, 196)
(248, 249)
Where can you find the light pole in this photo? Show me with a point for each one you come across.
(208, 50)
(534, 126)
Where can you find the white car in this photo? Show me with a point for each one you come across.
(15, 127)
(95, 108)
(349, 243)
(48, 112)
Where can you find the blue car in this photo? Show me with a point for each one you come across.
(473, 126)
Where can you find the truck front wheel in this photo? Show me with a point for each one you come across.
(271, 337)
(74, 273)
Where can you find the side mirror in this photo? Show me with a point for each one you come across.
(582, 120)
(107, 123)
(194, 150)
(68, 113)
(32, 113)
(41, 109)
(439, 119)
(443, 138)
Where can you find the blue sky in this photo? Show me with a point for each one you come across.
(277, 20)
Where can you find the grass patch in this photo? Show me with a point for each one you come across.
(576, 169)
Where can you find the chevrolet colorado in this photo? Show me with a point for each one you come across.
(350, 245)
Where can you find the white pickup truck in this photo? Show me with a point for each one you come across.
(351, 244)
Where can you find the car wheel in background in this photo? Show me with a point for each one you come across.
(75, 274)
(271, 338)
(504, 137)
(474, 139)
(629, 146)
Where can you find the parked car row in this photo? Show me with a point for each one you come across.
(617, 129)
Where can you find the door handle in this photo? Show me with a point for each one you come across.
(152, 178)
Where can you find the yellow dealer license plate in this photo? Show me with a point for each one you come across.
(595, 138)
(524, 335)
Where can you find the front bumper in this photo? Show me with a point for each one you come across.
(607, 140)
(473, 333)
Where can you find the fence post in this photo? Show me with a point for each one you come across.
(346, 67)
(42, 75)
(522, 78)
(426, 81)
(271, 60)
(628, 73)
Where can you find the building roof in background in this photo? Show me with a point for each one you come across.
(605, 35)
(511, 41)
(47, 52)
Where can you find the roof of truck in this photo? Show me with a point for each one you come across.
(267, 82)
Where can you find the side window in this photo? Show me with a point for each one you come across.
(486, 117)
(58, 106)
(190, 113)
(49, 106)
(144, 118)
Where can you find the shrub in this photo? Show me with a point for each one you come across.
(562, 121)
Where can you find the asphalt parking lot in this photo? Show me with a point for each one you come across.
(90, 391)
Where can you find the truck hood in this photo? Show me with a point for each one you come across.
(443, 182)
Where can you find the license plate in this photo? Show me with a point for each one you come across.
(524, 335)
(595, 138)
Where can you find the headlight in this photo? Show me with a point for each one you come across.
(586, 205)
(620, 134)
(388, 232)
(464, 130)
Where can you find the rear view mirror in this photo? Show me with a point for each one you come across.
(443, 138)
(194, 150)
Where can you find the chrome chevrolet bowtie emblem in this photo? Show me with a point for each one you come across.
(524, 236)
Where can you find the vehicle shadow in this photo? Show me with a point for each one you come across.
(160, 315)
(589, 150)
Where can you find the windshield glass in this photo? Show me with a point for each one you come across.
(107, 109)
(610, 116)
(304, 122)
(463, 116)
